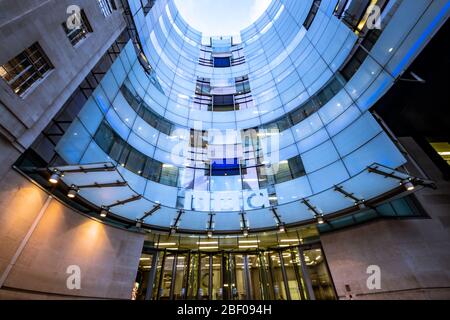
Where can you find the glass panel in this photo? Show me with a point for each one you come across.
(318, 272)
(142, 277)
(277, 274)
(217, 290)
(180, 279)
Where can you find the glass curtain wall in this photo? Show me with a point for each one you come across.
(291, 273)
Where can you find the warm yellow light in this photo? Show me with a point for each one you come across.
(249, 241)
(207, 242)
(166, 244)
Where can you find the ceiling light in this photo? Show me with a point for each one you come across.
(54, 178)
(166, 244)
(249, 241)
(73, 191)
(104, 213)
(208, 248)
(248, 246)
(361, 204)
(289, 240)
(208, 242)
(409, 186)
(320, 219)
(282, 228)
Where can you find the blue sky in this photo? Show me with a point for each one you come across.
(221, 17)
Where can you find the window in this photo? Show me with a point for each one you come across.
(107, 7)
(223, 102)
(312, 14)
(360, 55)
(222, 62)
(242, 85)
(25, 69)
(147, 5)
(203, 86)
(290, 169)
(77, 34)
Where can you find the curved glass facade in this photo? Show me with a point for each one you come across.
(252, 132)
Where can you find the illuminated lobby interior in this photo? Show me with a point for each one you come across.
(169, 164)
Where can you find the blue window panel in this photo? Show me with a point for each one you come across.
(228, 116)
(307, 127)
(118, 71)
(344, 120)
(286, 139)
(141, 145)
(176, 118)
(299, 100)
(146, 132)
(369, 185)
(164, 217)
(94, 154)
(224, 221)
(327, 177)
(259, 219)
(160, 193)
(294, 212)
(194, 220)
(135, 182)
(246, 114)
(313, 141)
(200, 115)
(74, 142)
(335, 107)
(91, 116)
(117, 124)
(106, 196)
(293, 190)
(357, 134)
(124, 111)
(181, 111)
(125, 61)
(134, 210)
(168, 158)
(101, 99)
(110, 86)
(254, 122)
(377, 89)
(365, 75)
(379, 150)
(331, 201)
(224, 169)
(319, 157)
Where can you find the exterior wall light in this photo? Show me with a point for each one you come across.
(104, 212)
(73, 191)
(361, 204)
(54, 178)
(320, 219)
(409, 186)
